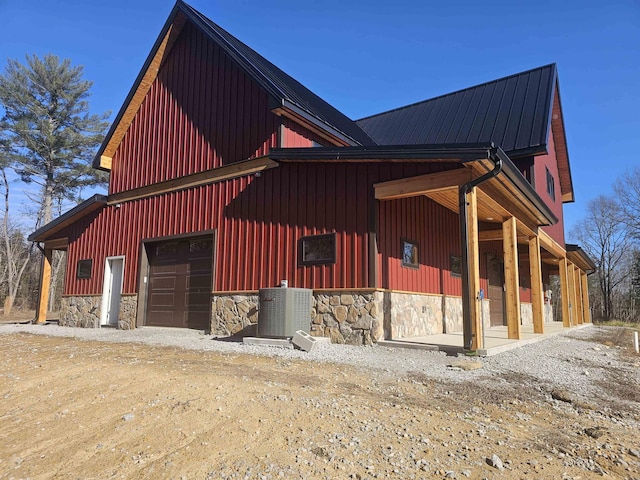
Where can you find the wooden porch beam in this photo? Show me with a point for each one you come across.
(537, 297)
(422, 184)
(493, 235)
(45, 285)
(564, 292)
(550, 245)
(510, 247)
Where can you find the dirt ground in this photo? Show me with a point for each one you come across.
(80, 409)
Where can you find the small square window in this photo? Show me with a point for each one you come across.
(317, 249)
(84, 268)
(410, 254)
(455, 265)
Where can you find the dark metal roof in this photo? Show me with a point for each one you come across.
(93, 203)
(513, 112)
(281, 86)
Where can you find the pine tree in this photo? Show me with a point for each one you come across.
(51, 132)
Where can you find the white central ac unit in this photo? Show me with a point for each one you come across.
(284, 311)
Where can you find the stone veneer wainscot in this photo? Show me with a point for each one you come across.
(85, 311)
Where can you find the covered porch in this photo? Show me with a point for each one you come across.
(495, 203)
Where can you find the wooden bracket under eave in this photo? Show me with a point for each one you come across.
(105, 162)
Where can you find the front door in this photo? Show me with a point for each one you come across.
(180, 281)
(112, 291)
(496, 291)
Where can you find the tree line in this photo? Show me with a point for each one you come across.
(47, 140)
(610, 234)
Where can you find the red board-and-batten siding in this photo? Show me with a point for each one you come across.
(201, 112)
(259, 221)
(541, 163)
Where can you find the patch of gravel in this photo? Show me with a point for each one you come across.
(568, 360)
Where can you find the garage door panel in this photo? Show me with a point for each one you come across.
(180, 282)
(165, 269)
(163, 283)
(165, 318)
(162, 299)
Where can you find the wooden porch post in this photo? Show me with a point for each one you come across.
(571, 275)
(474, 268)
(537, 298)
(45, 285)
(564, 292)
(585, 298)
(510, 247)
(578, 302)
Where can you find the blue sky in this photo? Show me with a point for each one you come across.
(367, 57)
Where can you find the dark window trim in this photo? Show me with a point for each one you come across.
(81, 268)
(330, 260)
(416, 265)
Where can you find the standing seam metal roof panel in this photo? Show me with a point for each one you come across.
(512, 112)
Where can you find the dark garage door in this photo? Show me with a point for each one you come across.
(179, 291)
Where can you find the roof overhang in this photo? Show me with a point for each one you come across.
(577, 256)
(506, 195)
(294, 112)
(47, 232)
(146, 77)
(560, 141)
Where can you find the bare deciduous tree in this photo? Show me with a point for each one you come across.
(605, 237)
(627, 189)
(14, 251)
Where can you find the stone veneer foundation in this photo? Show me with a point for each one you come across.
(128, 312)
(354, 318)
(415, 315)
(80, 311)
(84, 311)
(349, 317)
(234, 315)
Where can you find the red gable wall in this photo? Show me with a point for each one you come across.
(201, 112)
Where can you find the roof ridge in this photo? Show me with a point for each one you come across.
(276, 81)
(553, 64)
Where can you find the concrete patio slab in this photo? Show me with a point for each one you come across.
(495, 340)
